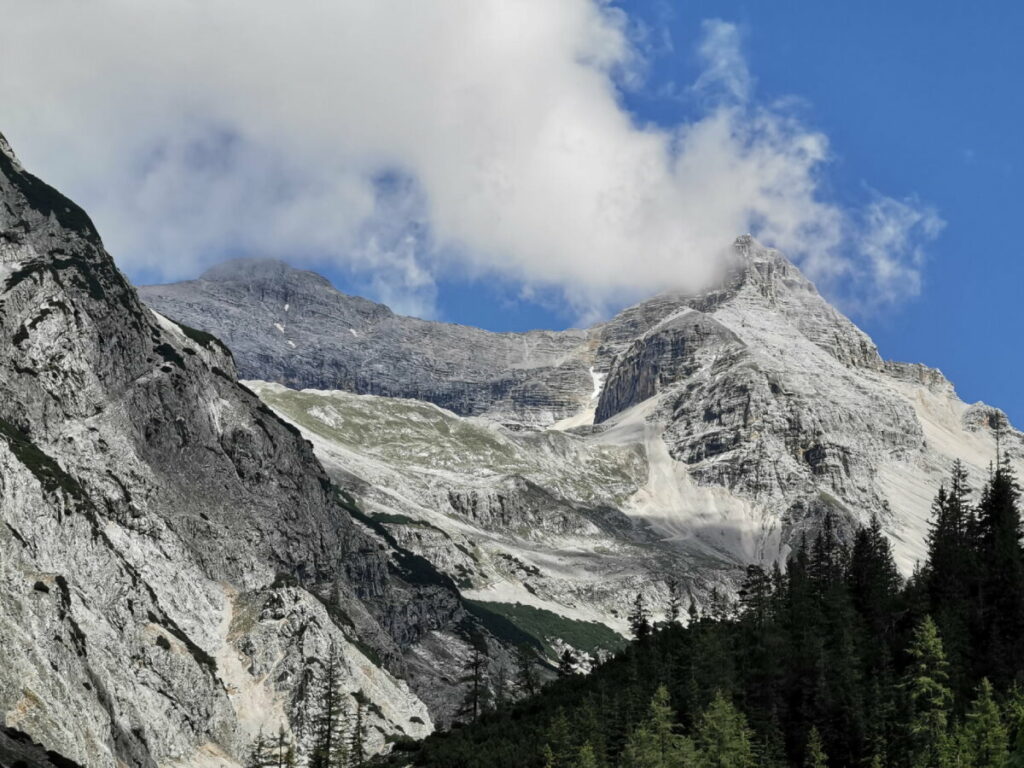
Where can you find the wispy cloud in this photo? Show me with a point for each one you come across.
(196, 130)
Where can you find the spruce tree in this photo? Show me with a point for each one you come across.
(950, 574)
(814, 753)
(586, 758)
(984, 739)
(330, 747)
(476, 700)
(560, 740)
(357, 749)
(674, 603)
(526, 672)
(928, 699)
(723, 738)
(1002, 583)
(654, 743)
(261, 753)
(639, 621)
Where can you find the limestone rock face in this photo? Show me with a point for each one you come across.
(291, 326)
(174, 561)
(684, 438)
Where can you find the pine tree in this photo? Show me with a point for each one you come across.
(261, 753)
(723, 738)
(951, 573)
(282, 752)
(928, 699)
(501, 687)
(814, 753)
(330, 749)
(586, 757)
(984, 739)
(526, 673)
(560, 741)
(357, 750)
(756, 597)
(476, 700)
(655, 743)
(1002, 583)
(639, 621)
(1014, 717)
(674, 607)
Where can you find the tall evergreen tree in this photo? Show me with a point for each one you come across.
(477, 691)
(674, 602)
(951, 572)
(357, 748)
(560, 741)
(984, 739)
(928, 699)
(586, 758)
(814, 754)
(655, 742)
(261, 753)
(526, 671)
(723, 738)
(1002, 583)
(639, 620)
(330, 726)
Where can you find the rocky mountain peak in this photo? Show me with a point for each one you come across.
(154, 510)
(254, 270)
(5, 149)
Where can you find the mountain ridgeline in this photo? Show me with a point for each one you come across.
(678, 442)
(175, 563)
(392, 525)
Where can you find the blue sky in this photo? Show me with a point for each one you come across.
(539, 164)
(917, 99)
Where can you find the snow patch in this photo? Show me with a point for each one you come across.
(598, 379)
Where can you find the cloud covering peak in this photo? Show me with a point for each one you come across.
(407, 141)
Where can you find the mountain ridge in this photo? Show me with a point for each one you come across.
(743, 415)
(176, 563)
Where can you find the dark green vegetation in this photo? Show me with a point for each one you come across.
(543, 625)
(47, 471)
(835, 662)
(203, 339)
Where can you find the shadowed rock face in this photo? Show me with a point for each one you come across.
(174, 561)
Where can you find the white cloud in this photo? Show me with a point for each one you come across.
(193, 130)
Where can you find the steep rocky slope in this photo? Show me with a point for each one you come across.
(174, 562)
(697, 434)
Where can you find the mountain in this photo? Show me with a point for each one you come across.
(683, 439)
(293, 327)
(175, 563)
